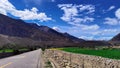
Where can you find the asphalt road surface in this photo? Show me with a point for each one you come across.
(25, 60)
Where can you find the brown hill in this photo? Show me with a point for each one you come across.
(115, 40)
(21, 33)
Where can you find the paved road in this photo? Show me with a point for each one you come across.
(25, 60)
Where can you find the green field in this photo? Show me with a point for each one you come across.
(108, 52)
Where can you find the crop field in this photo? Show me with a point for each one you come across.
(105, 52)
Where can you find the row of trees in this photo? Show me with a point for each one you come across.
(16, 47)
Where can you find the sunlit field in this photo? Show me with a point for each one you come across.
(105, 52)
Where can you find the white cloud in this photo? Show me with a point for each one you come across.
(69, 12)
(2, 11)
(90, 8)
(31, 15)
(111, 8)
(104, 38)
(90, 27)
(72, 13)
(111, 21)
(87, 37)
(79, 18)
(25, 14)
(79, 21)
(117, 13)
(110, 30)
(6, 6)
(56, 28)
(98, 34)
(35, 10)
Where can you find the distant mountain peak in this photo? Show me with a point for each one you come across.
(116, 38)
(75, 39)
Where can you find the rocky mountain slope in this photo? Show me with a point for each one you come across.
(115, 40)
(15, 31)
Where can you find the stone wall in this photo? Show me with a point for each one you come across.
(70, 60)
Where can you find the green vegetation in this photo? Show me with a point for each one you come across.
(6, 50)
(15, 48)
(48, 64)
(11, 50)
(105, 52)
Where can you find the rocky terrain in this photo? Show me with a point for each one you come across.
(63, 59)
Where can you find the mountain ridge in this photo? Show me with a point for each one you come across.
(116, 38)
(18, 28)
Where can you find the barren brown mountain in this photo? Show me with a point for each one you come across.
(115, 40)
(28, 34)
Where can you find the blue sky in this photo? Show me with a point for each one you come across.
(87, 19)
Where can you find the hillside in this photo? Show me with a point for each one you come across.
(39, 35)
(77, 40)
(115, 40)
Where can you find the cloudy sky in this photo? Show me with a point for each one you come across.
(87, 19)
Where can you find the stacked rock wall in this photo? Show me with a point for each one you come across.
(70, 60)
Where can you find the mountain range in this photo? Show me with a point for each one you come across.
(20, 33)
